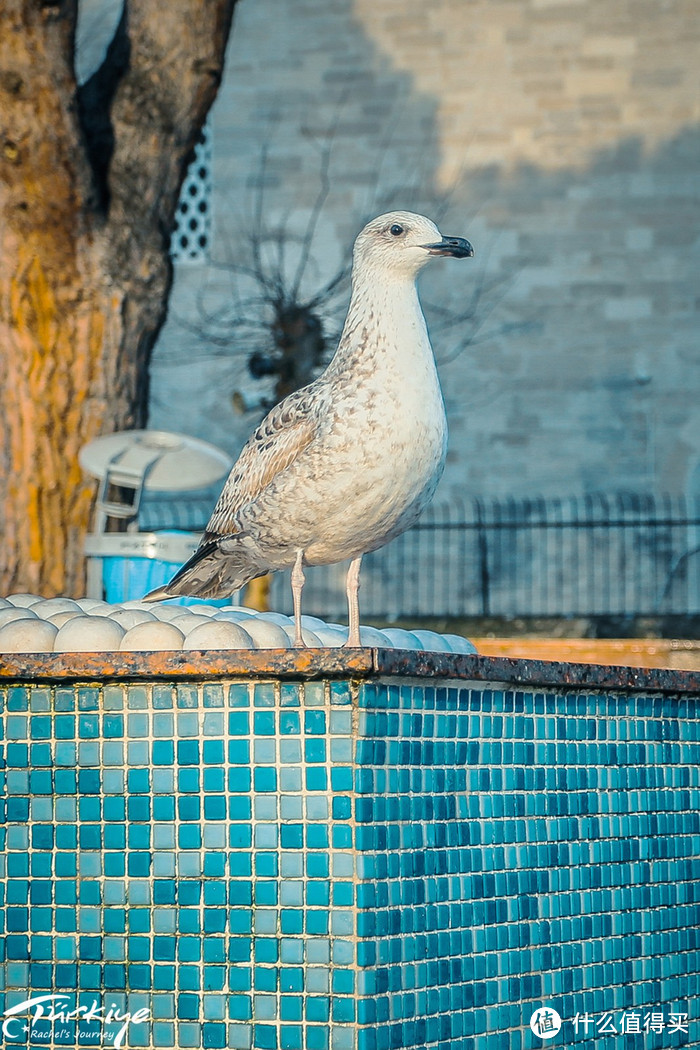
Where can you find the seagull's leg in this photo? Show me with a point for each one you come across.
(297, 587)
(352, 586)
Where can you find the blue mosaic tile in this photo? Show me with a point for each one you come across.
(326, 866)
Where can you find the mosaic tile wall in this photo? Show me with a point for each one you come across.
(339, 867)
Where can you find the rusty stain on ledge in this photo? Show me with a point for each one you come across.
(340, 663)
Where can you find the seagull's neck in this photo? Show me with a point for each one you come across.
(385, 322)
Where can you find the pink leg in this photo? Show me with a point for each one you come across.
(297, 587)
(352, 586)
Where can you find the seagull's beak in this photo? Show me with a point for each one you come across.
(457, 247)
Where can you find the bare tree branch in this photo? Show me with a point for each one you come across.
(295, 333)
(314, 216)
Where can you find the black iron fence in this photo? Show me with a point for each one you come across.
(620, 555)
(599, 555)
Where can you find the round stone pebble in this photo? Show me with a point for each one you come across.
(60, 618)
(218, 634)
(187, 622)
(236, 616)
(28, 636)
(265, 634)
(402, 639)
(11, 613)
(93, 605)
(129, 618)
(331, 637)
(48, 606)
(311, 640)
(274, 617)
(23, 601)
(432, 642)
(168, 613)
(89, 634)
(370, 636)
(202, 609)
(458, 644)
(152, 636)
(312, 622)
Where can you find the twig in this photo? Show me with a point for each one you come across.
(321, 198)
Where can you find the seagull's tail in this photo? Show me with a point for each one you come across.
(216, 569)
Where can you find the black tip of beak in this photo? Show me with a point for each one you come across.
(457, 247)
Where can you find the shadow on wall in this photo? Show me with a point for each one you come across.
(583, 373)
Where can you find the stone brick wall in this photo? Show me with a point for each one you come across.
(560, 136)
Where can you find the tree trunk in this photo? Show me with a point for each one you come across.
(89, 183)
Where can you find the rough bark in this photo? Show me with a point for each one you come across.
(89, 183)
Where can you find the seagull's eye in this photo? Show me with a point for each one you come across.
(396, 230)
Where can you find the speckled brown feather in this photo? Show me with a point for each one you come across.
(281, 437)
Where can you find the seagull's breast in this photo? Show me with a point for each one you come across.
(383, 453)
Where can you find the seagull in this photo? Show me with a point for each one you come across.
(345, 464)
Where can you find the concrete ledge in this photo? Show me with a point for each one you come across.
(338, 663)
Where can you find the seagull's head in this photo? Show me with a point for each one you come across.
(402, 242)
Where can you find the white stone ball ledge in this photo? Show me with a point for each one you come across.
(32, 624)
